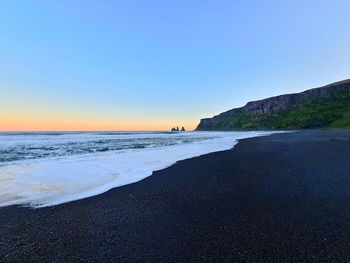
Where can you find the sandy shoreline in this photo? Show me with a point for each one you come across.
(284, 197)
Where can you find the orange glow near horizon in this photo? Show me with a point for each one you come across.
(33, 123)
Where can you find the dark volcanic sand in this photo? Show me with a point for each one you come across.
(285, 197)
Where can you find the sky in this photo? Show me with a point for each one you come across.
(155, 64)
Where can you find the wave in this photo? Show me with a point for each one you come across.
(51, 181)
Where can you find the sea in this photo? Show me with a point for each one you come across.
(40, 169)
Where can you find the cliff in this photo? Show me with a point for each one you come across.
(327, 106)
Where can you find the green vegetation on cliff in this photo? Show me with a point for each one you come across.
(318, 113)
(323, 107)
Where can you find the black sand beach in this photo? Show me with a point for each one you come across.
(284, 197)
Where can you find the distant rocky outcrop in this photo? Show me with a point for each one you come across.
(177, 129)
(327, 106)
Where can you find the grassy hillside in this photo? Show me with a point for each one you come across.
(319, 113)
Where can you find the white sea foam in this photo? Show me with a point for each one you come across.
(51, 181)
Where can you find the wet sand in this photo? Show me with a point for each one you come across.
(284, 197)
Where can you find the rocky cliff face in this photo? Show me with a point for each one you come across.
(276, 104)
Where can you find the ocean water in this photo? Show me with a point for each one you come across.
(49, 168)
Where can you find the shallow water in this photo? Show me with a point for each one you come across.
(45, 169)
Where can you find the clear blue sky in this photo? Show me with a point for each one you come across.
(154, 64)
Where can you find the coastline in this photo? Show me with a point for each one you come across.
(282, 197)
(56, 179)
